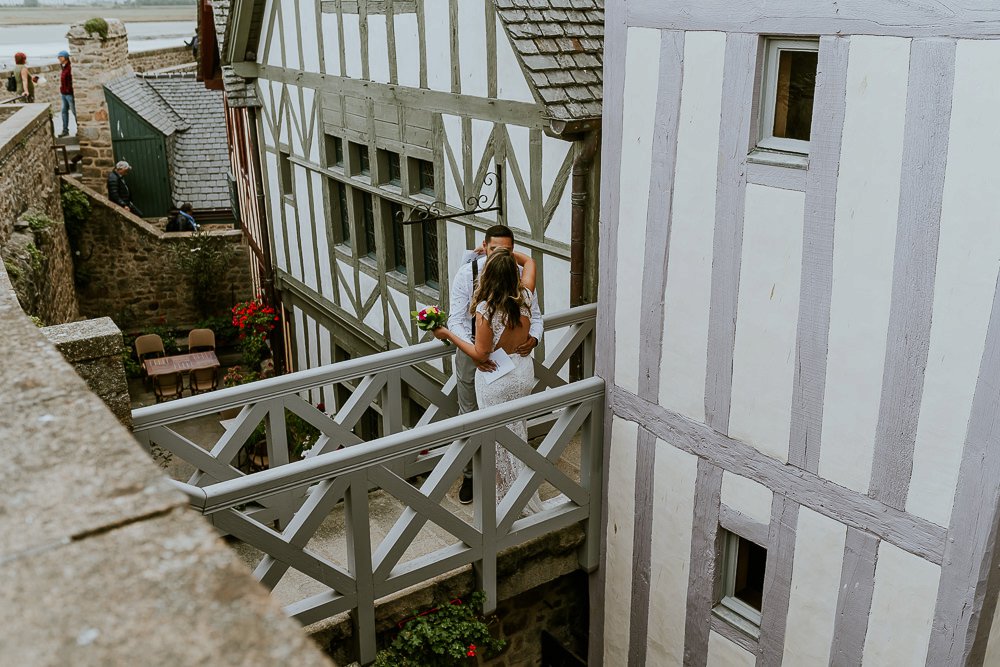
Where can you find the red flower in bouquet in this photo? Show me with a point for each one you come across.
(430, 318)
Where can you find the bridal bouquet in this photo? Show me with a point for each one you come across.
(430, 318)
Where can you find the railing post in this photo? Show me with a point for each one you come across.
(484, 473)
(359, 562)
(591, 476)
(277, 455)
(588, 351)
(392, 410)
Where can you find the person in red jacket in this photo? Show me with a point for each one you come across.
(66, 91)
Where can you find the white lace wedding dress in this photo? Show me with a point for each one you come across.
(515, 384)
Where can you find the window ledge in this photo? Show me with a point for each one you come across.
(778, 159)
(428, 294)
(736, 620)
(288, 199)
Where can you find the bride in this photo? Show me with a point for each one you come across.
(502, 307)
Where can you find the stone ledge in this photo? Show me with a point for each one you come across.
(86, 340)
(20, 124)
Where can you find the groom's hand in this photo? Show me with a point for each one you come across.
(525, 348)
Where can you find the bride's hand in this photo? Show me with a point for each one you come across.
(442, 333)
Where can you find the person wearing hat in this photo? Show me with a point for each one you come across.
(66, 91)
(118, 191)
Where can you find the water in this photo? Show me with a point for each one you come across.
(41, 43)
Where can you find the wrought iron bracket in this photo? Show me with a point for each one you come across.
(482, 203)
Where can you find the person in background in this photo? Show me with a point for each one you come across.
(66, 91)
(25, 79)
(183, 221)
(118, 191)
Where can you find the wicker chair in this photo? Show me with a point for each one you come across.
(167, 386)
(201, 340)
(203, 379)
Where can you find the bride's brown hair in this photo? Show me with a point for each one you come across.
(500, 287)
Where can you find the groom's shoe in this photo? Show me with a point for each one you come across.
(465, 493)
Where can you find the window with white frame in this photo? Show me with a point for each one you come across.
(788, 89)
(742, 583)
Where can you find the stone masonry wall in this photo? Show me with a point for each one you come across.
(539, 585)
(96, 62)
(141, 61)
(39, 258)
(102, 562)
(131, 269)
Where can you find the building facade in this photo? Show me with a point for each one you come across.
(371, 110)
(801, 334)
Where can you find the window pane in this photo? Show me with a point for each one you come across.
(368, 212)
(429, 236)
(394, 173)
(338, 151)
(426, 176)
(398, 240)
(793, 104)
(345, 222)
(751, 560)
(364, 165)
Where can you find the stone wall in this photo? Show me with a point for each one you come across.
(94, 348)
(539, 585)
(141, 61)
(102, 562)
(37, 254)
(130, 273)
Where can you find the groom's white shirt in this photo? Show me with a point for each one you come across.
(459, 319)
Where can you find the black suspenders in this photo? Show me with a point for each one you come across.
(475, 277)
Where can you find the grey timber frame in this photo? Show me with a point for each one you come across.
(300, 495)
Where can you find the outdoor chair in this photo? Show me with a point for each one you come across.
(149, 346)
(201, 340)
(203, 379)
(167, 386)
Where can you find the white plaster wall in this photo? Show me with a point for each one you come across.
(290, 37)
(556, 280)
(993, 646)
(864, 243)
(899, 625)
(378, 49)
(352, 46)
(274, 204)
(456, 248)
(331, 44)
(748, 497)
(312, 123)
(272, 46)
(322, 242)
(642, 75)
(453, 162)
(689, 267)
(293, 106)
(968, 257)
(304, 208)
(402, 303)
(346, 287)
(407, 67)
(724, 653)
(374, 317)
(309, 37)
(292, 228)
(812, 605)
(298, 323)
(481, 133)
(560, 225)
(767, 319)
(281, 115)
(670, 557)
(519, 162)
(554, 154)
(437, 21)
(621, 525)
(511, 84)
(472, 47)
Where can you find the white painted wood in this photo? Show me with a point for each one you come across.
(352, 46)
(292, 230)
(454, 161)
(303, 205)
(748, 497)
(378, 49)
(641, 82)
(724, 653)
(670, 556)
(331, 42)
(326, 358)
(968, 256)
(290, 38)
(472, 47)
(767, 319)
(298, 325)
(373, 318)
(312, 350)
(511, 82)
(518, 168)
(407, 50)
(689, 271)
(281, 116)
(864, 244)
(346, 287)
(812, 604)
(556, 273)
(438, 21)
(402, 303)
(621, 518)
(323, 243)
(902, 609)
(270, 35)
(554, 154)
(275, 206)
(311, 128)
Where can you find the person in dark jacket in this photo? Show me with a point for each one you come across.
(66, 91)
(182, 220)
(118, 191)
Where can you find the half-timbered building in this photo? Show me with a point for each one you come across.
(392, 133)
(801, 333)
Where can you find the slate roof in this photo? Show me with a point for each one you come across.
(193, 120)
(560, 45)
(239, 93)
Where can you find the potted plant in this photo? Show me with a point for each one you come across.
(450, 634)
(255, 321)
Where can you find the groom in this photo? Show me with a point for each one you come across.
(461, 322)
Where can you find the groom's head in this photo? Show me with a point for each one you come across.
(498, 236)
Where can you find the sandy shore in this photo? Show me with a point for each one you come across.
(60, 15)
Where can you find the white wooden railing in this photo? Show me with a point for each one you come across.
(297, 496)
